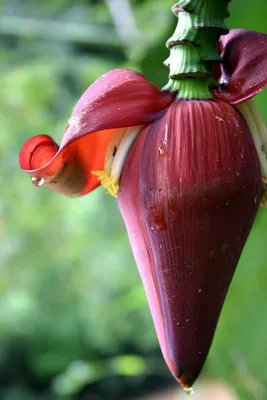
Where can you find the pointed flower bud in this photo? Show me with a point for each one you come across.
(195, 211)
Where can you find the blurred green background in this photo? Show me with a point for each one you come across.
(74, 321)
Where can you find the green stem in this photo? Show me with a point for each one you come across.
(193, 46)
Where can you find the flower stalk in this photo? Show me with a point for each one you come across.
(193, 47)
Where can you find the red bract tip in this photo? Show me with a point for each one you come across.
(244, 59)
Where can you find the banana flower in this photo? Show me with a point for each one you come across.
(189, 175)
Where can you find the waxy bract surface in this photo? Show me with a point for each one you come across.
(196, 190)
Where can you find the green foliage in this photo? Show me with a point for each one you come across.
(73, 312)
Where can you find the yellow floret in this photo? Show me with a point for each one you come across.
(110, 183)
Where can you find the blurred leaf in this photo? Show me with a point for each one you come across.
(129, 365)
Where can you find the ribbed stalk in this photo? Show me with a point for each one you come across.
(193, 46)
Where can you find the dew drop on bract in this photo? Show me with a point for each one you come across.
(159, 222)
(37, 181)
(163, 150)
(189, 391)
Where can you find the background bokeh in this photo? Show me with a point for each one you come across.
(74, 321)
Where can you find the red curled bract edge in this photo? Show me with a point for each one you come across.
(119, 98)
(244, 62)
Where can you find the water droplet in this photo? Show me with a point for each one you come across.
(237, 174)
(239, 83)
(199, 290)
(163, 146)
(256, 199)
(159, 222)
(219, 118)
(37, 181)
(189, 391)
(163, 150)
